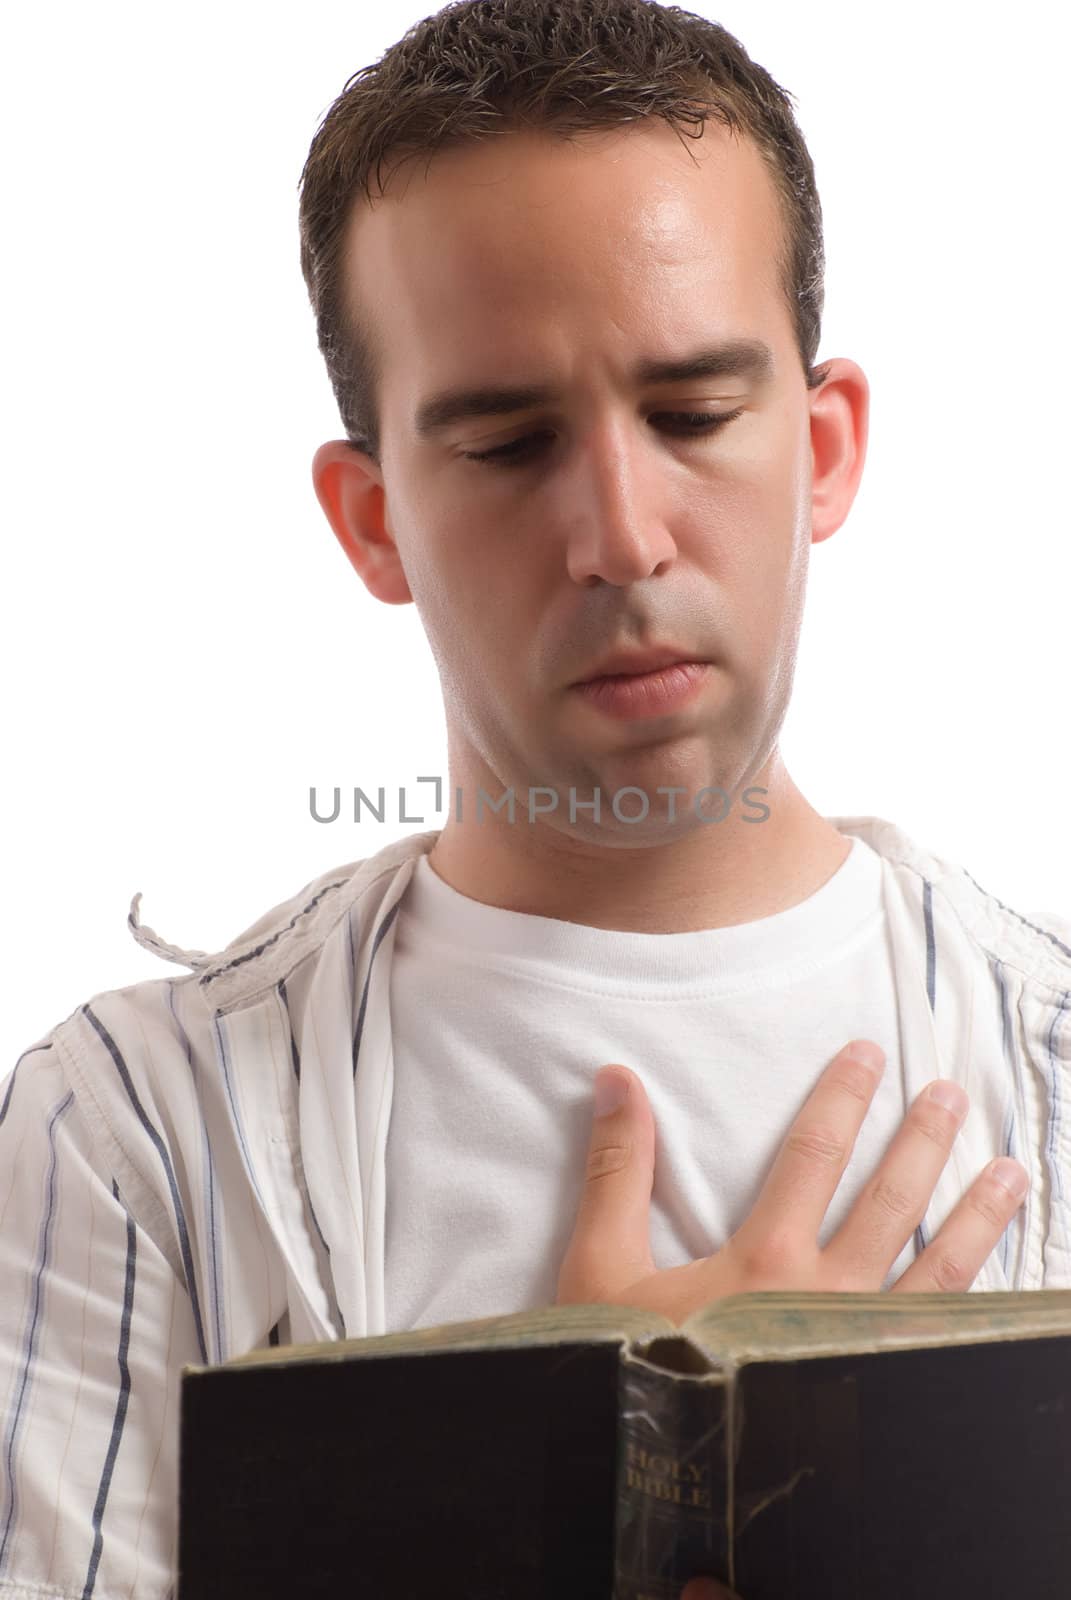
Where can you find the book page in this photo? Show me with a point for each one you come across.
(748, 1327)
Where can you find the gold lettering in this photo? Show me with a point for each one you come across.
(661, 1488)
(663, 1466)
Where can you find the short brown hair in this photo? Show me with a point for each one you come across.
(480, 67)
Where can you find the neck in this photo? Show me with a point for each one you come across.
(714, 876)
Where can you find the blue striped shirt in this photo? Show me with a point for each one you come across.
(194, 1166)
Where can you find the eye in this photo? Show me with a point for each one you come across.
(520, 451)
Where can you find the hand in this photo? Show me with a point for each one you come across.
(609, 1255)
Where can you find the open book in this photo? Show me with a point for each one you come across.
(797, 1447)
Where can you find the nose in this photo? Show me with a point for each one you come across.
(617, 530)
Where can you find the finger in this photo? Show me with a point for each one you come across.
(969, 1234)
(611, 1246)
(894, 1202)
(706, 1589)
(808, 1167)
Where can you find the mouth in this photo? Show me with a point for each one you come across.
(655, 692)
(639, 663)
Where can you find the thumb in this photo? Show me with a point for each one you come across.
(611, 1247)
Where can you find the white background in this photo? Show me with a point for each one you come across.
(187, 649)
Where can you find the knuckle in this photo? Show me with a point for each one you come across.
(771, 1257)
(855, 1080)
(986, 1200)
(948, 1273)
(939, 1130)
(897, 1202)
(606, 1159)
(842, 1280)
(818, 1144)
(582, 1277)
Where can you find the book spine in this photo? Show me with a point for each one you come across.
(671, 1518)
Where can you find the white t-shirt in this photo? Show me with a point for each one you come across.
(500, 1021)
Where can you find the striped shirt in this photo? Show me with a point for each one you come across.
(194, 1166)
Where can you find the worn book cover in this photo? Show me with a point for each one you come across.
(797, 1447)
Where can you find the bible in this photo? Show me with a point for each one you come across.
(794, 1446)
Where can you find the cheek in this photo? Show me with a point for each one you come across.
(469, 599)
(758, 553)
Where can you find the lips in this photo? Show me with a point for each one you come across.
(626, 663)
(650, 694)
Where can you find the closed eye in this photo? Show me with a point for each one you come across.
(520, 451)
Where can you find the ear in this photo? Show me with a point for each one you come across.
(840, 414)
(349, 487)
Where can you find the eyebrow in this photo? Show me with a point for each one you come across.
(745, 358)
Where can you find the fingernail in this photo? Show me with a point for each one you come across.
(867, 1053)
(610, 1091)
(949, 1095)
(1011, 1175)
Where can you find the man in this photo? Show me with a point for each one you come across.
(581, 436)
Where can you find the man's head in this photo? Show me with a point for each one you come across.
(561, 235)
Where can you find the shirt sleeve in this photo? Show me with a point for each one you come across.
(95, 1328)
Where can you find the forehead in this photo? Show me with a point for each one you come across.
(616, 235)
